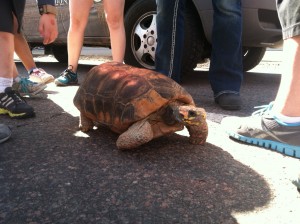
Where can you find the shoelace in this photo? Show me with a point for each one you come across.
(39, 72)
(24, 83)
(263, 109)
(67, 73)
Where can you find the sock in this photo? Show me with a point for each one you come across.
(31, 70)
(287, 121)
(4, 83)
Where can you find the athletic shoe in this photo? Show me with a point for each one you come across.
(14, 105)
(263, 130)
(5, 133)
(39, 75)
(26, 87)
(67, 77)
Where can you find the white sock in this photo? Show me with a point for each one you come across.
(4, 83)
(285, 120)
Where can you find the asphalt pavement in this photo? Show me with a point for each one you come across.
(52, 173)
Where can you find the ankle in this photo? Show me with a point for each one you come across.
(31, 70)
(71, 68)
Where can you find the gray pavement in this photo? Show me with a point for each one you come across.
(52, 173)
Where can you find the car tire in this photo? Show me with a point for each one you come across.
(60, 52)
(252, 56)
(194, 40)
(141, 37)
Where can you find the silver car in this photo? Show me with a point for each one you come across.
(261, 29)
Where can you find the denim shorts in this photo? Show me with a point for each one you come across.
(7, 9)
(289, 16)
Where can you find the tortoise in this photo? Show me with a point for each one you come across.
(139, 104)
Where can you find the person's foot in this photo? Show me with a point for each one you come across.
(229, 101)
(5, 133)
(14, 105)
(263, 130)
(66, 78)
(39, 75)
(28, 88)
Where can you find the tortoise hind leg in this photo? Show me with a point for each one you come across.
(85, 124)
(137, 134)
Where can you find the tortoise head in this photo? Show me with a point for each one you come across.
(190, 115)
(194, 118)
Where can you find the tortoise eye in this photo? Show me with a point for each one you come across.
(192, 114)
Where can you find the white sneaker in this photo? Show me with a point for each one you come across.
(40, 76)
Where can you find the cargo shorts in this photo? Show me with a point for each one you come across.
(8, 8)
(289, 16)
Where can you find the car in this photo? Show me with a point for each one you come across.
(261, 30)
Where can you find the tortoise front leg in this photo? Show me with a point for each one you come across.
(137, 134)
(199, 132)
(85, 124)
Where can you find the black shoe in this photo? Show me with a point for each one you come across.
(5, 133)
(14, 105)
(229, 101)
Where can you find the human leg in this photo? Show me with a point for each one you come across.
(170, 37)
(226, 70)
(287, 99)
(278, 126)
(7, 30)
(6, 60)
(23, 51)
(24, 86)
(10, 102)
(79, 13)
(114, 11)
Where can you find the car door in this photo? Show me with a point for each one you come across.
(31, 21)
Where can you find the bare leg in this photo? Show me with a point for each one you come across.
(114, 11)
(287, 101)
(23, 51)
(79, 12)
(7, 55)
(15, 71)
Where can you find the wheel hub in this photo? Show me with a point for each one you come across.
(151, 41)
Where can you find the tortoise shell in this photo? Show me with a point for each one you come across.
(118, 95)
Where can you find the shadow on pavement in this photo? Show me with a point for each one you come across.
(52, 174)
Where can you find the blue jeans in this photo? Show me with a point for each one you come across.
(226, 69)
(226, 62)
(170, 37)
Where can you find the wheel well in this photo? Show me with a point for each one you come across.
(128, 4)
(206, 45)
